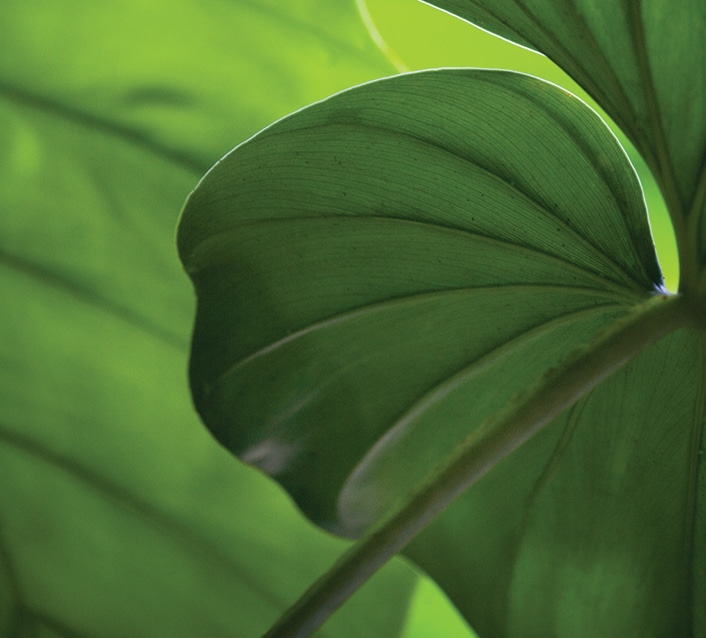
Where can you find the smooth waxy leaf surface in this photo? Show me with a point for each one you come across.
(644, 62)
(379, 274)
(119, 516)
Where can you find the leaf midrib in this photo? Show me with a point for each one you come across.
(441, 388)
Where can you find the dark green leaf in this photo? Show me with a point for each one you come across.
(386, 252)
(644, 63)
(596, 526)
(381, 273)
(8, 602)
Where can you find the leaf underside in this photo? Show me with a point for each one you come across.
(644, 63)
(381, 272)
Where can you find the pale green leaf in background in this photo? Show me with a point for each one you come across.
(119, 516)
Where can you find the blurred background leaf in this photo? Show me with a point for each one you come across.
(118, 514)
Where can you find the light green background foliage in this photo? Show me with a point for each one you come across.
(119, 515)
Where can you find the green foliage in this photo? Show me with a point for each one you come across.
(119, 515)
(401, 285)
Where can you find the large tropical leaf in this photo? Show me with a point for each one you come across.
(382, 273)
(644, 62)
(358, 239)
(119, 516)
(450, 42)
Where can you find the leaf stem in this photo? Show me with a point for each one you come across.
(495, 439)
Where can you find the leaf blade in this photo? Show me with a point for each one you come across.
(502, 433)
(319, 224)
(644, 67)
(368, 222)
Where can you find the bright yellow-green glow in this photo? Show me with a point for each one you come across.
(431, 614)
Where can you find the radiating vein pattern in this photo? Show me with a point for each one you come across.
(643, 63)
(390, 272)
(470, 131)
(380, 272)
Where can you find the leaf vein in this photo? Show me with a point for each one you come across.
(135, 505)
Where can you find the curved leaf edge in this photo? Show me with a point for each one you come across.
(687, 217)
(190, 235)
